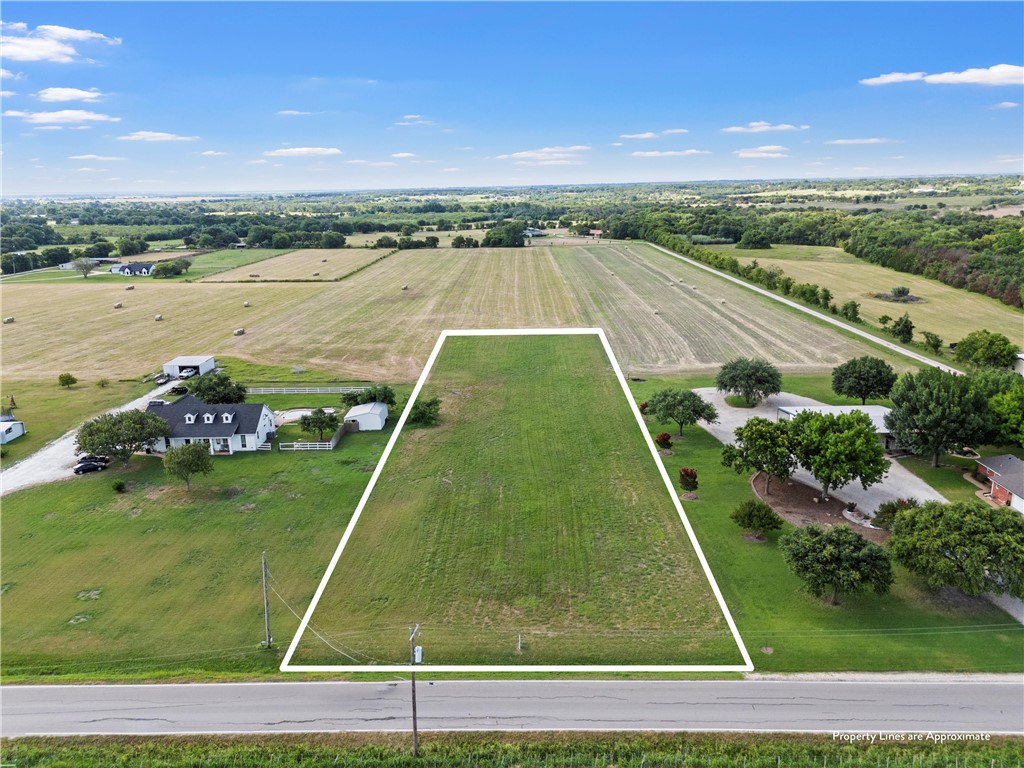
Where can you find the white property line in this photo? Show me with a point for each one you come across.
(747, 666)
(807, 310)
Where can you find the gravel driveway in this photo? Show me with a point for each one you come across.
(897, 483)
(56, 459)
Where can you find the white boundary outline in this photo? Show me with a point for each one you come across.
(747, 666)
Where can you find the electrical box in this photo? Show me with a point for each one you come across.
(417, 654)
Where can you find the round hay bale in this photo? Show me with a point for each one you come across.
(721, 301)
(323, 261)
(316, 274)
(239, 331)
(8, 320)
(657, 312)
(117, 305)
(129, 287)
(158, 318)
(405, 287)
(245, 303)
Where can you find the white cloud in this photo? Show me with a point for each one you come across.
(415, 122)
(403, 154)
(862, 141)
(68, 94)
(212, 153)
(999, 74)
(80, 127)
(47, 42)
(897, 157)
(7, 94)
(302, 152)
(762, 126)
(548, 155)
(156, 136)
(62, 116)
(893, 77)
(412, 117)
(816, 162)
(92, 170)
(646, 135)
(615, 144)
(381, 164)
(46, 128)
(1016, 159)
(257, 162)
(104, 158)
(6, 74)
(1005, 105)
(768, 150)
(451, 170)
(672, 153)
(671, 131)
(295, 112)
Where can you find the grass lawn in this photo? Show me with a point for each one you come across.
(534, 509)
(156, 579)
(911, 628)
(49, 410)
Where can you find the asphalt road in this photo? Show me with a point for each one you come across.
(818, 706)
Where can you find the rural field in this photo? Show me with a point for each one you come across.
(950, 312)
(520, 516)
(367, 327)
(307, 264)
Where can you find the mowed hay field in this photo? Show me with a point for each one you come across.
(519, 516)
(306, 264)
(367, 327)
(952, 313)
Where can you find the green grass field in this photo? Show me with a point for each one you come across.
(950, 312)
(534, 509)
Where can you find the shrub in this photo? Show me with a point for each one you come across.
(887, 511)
(120, 486)
(688, 478)
(643, 406)
(66, 380)
(103, 383)
(664, 440)
(757, 517)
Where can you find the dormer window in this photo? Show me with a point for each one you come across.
(190, 418)
(208, 418)
(226, 417)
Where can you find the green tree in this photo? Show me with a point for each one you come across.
(838, 448)
(681, 406)
(320, 421)
(902, 329)
(984, 349)
(836, 562)
(332, 240)
(130, 246)
(378, 393)
(964, 544)
(217, 387)
(122, 434)
(933, 342)
(66, 380)
(754, 238)
(752, 379)
(1008, 412)
(863, 377)
(84, 265)
(166, 269)
(935, 411)
(185, 461)
(757, 517)
(184, 263)
(281, 240)
(510, 234)
(850, 311)
(762, 446)
(426, 413)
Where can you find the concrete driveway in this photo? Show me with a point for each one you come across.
(55, 460)
(897, 483)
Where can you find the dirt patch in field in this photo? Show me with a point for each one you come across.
(794, 502)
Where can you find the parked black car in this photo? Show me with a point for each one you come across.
(93, 460)
(178, 390)
(89, 466)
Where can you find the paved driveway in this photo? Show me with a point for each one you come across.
(897, 483)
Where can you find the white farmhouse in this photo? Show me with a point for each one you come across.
(10, 430)
(368, 416)
(226, 428)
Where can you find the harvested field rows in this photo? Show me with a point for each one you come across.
(308, 264)
(368, 327)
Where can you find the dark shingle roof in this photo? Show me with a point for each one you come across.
(245, 420)
(1009, 472)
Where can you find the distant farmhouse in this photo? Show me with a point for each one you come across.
(137, 269)
(876, 413)
(226, 428)
(1006, 474)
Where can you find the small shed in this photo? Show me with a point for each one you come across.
(1006, 474)
(11, 430)
(368, 416)
(201, 363)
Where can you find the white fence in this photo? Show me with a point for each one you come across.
(328, 446)
(302, 390)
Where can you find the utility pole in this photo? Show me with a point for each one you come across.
(266, 603)
(412, 660)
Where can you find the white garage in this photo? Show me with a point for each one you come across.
(368, 417)
(201, 363)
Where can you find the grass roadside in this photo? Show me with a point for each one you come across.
(522, 750)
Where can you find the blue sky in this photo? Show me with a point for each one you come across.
(139, 98)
